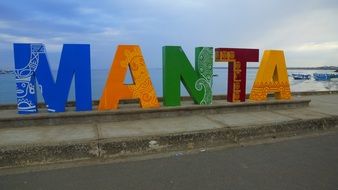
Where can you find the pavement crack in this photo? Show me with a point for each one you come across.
(98, 132)
(323, 113)
(216, 121)
(286, 115)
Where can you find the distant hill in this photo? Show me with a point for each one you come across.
(6, 71)
(316, 68)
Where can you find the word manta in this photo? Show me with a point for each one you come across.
(32, 68)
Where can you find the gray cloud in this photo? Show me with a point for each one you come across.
(306, 30)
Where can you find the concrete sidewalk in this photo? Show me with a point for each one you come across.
(166, 129)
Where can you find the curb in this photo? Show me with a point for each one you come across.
(71, 117)
(126, 147)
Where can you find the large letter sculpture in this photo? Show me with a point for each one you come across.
(272, 77)
(115, 89)
(177, 68)
(31, 64)
(237, 59)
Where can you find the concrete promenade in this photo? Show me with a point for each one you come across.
(58, 137)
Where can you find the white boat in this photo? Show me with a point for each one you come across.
(301, 76)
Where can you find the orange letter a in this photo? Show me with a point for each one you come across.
(272, 77)
(115, 89)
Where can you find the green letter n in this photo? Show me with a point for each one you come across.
(177, 68)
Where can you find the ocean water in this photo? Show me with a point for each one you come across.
(99, 77)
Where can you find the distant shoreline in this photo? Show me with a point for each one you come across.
(6, 71)
(313, 68)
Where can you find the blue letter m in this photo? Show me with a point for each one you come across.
(31, 65)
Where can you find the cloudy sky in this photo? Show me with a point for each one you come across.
(306, 30)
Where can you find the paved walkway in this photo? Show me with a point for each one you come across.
(154, 130)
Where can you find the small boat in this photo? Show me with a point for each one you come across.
(301, 76)
(215, 75)
(334, 75)
(322, 76)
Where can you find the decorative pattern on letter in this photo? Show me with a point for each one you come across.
(205, 71)
(25, 84)
(237, 59)
(272, 77)
(128, 56)
(143, 88)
